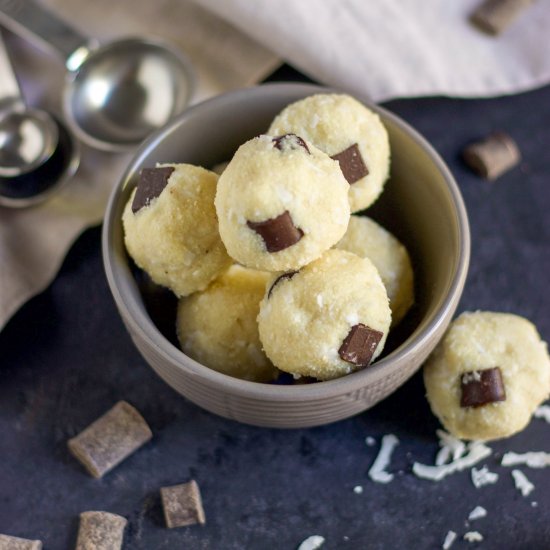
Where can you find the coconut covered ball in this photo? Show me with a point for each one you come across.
(326, 320)
(217, 327)
(347, 131)
(281, 202)
(487, 376)
(368, 239)
(171, 229)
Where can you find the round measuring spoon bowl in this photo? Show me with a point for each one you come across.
(28, 138)
(124, 91)
(38, 185)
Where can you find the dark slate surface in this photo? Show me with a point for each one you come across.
(65, 358)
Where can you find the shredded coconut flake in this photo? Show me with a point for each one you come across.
(450, 537)
(358, 490)
(483, 477)
(319, 300)
(477, 451)
(473, 536)
(474, 376)
(312, 543)
(352, 318)
(477, 513)
(522, 483)
(314, 120)
(533, 459)
(543, 412)
(443, 456)
(451, 448)
(285, 196)
(378, 469)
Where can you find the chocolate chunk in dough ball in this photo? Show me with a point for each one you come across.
(171, 229)
(281, 203)
(328, 319)
(348, 132)
(480, 387)
(487, 376)
(217, 327)
(368, 239)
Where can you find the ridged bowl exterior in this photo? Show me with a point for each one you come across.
(421, 205)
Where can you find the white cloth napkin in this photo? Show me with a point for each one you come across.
(399, 48)
(34, 241)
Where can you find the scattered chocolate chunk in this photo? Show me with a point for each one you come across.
(492, 156)
(481, 387)
(287, 275)
(182, 504)
(278, 233)
(16, 543)
(100, 531)
(495, 16)
(152, 182)
(110, 439)
(352, 164)
(290, 141)
(360, 344)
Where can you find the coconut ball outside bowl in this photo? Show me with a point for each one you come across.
(421, 205)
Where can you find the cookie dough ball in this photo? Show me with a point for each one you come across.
(346, 130)
(218, 326)
(171, 229)
(368, 239)
(488, 375)
(281, 203)
(326, 320)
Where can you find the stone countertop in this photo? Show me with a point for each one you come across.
(65, 358)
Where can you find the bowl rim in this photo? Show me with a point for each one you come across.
(139, 323)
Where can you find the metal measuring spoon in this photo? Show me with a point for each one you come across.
(117, 94)
(28, 137)
(37, 153)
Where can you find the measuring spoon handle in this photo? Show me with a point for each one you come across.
(9, 86)
(30, 20)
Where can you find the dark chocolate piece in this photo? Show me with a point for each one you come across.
(352, 164)
(481, 387)
(182, 505)
(287, 275)
(16, 543)
(492, 156)
(290, 141)
(360, 344)
(495, 16)
(152, 182)
(278, 233)
(110, 439)
(100, 531)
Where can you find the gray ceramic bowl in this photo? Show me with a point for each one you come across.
(421, 204)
